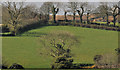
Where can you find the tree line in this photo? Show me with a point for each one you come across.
(19, 12)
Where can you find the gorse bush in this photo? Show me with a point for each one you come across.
(63, 59)
(58, 44)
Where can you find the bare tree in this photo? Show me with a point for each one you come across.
(15, 10)
(64, 6)
(104, 10)
(55, 10)
(46, 8)
(30, 11)
(81, 9)
(88, 12)
(73, 7)
(115, 12)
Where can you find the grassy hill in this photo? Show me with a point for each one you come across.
(25, 48)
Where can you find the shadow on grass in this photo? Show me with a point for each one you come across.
(33, 26)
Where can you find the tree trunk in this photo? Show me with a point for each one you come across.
(74, 17)
(114, 21)
(48, 13)
(81, 18)
(107, 20)
(14, 32)
(87, 18)
(65, 16)
(54, 18)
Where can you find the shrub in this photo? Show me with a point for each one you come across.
(58, 45)
(16, 66)
(108, 28)
(114, 29)
(104, 27)
(117, 50)
(118, 29)
(97, 59)
(102, 24)
(13, 29)
(5, 28)
(78, 25)
(106, 61)
(88, 26)
(4, 67)
(5, 63)
(118, 53)
(98, 24)
(94, 26)
(63, 58)
(83, 25)
(63, 62)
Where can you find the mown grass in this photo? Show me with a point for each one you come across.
(25, 49)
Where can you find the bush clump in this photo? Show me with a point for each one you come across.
(58, 45)
(106, 61)
(5, 28)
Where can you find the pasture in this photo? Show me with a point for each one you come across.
(25, 48)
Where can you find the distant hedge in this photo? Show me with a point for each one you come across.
(91, 25)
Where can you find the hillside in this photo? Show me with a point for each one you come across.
(25, 49)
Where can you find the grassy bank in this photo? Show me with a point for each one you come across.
(25, 48)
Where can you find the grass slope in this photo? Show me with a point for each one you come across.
(25, 49)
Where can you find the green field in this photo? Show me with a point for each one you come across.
(24, 49)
